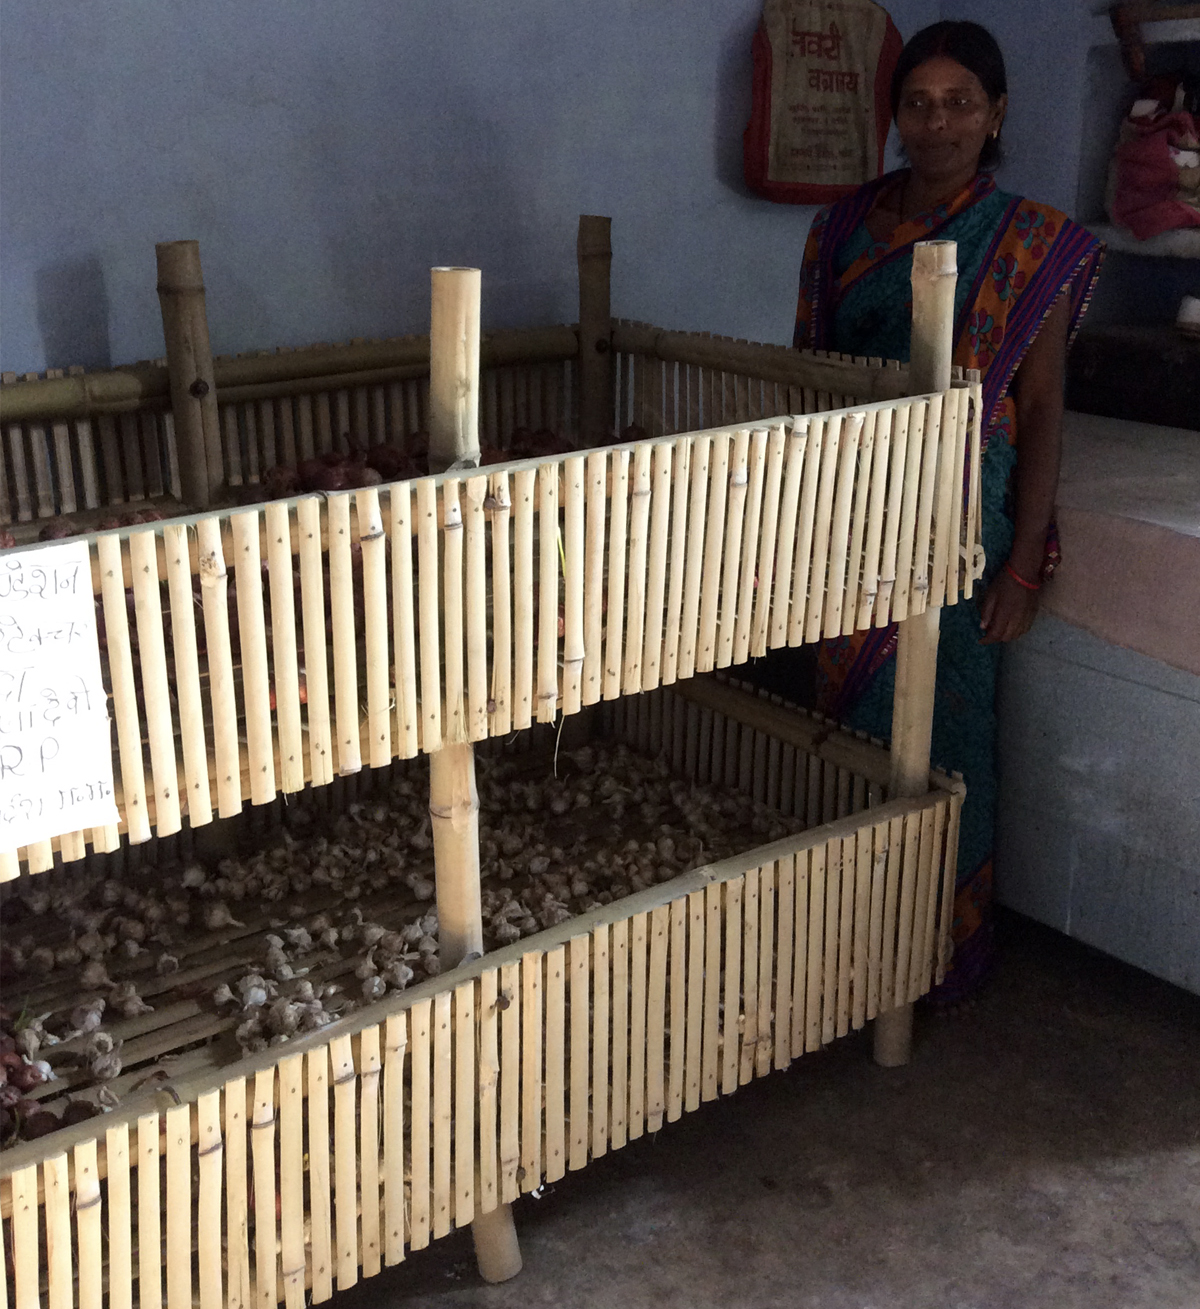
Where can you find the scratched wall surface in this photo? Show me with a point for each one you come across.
(327, 155)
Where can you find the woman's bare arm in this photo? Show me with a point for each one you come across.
(1008, 608)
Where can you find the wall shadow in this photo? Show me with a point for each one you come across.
(732, 107)
(73, 313)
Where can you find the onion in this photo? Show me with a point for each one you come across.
(391, 464)
(57, 530)
(319, 475)
(40, 1124)
(79, 1111)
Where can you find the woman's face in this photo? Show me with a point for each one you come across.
(944, 118)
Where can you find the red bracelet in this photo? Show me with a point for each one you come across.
(1020, 581)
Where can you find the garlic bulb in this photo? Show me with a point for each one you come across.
(217, 916)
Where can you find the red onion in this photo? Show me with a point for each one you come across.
(40, 1124)
(25, 1078)
(79, 1111)
(280, 482)
(57, 530)
(320, 475)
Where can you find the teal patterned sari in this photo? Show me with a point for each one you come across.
(1014, 260)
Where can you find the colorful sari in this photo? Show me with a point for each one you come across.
(1015, 258)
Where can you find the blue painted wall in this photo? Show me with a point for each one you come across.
(327, 154)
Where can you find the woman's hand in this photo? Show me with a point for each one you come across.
(1008, 610)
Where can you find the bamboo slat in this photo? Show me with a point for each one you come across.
(696, 533)
(653, 632)
(320, 1213)
(522, 591)
(284, 651)
(554, 1091)
(316, 672)
(615, 624)
(532, 1031)
(149, 1213)
(378, 662)
(706, 636)
(342, 619)
(488, 1190)
(57, 1205)
(88, 1227)
(345, 1161)
(639, 544)
(152, 658)
(291, 1180)
(509, 1000)
(750, 565)
(179, 1207)
(422, 1100)
(549, 544)
(739, 483)
(396, 1044)
(656, 1018)
(256, 684)
(430, 640)
(502, 631)
(404, 633)
(455, 726)
(466, 1080)
(596, 479)
(835, 529)
(573, 657)
(638, 1027)
(619, 1077)
(599, 1048)
(733, 1024)
(120, 663)
(476, 608)
(580, 962)
(443, 1112)
(750, 975)
(266, 1191)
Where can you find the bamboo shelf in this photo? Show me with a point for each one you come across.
(479, 1086)
(772, 498)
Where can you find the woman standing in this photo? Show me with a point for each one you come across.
(1025, 273)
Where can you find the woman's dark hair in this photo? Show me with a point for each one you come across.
(972, 46)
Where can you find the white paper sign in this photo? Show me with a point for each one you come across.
(55, 744)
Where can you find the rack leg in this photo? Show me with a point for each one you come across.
(497, 1251)
(454, 811)
(912, 727)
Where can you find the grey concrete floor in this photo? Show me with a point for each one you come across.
(1042, 1152)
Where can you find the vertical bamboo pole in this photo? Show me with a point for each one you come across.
(935, 272)
(453, 799)
(594, 254)
(189, 362)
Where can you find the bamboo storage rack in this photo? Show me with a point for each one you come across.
(464, 607)
(479, 1086)
(666, 557)
(82, 443)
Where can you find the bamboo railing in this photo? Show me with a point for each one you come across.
(292, 1173)
(466, 606)
(279, 646)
